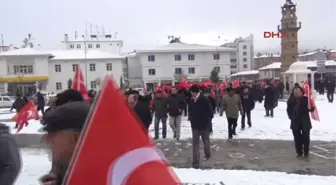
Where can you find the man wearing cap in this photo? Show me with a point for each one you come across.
(63, 126)
(200, 113)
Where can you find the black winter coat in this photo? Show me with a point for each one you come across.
(269, 101)
(18, 104)
(200, 113)
(160, 107)
(247, 102)
(10, 160)
(143, 111)
(175, 104)
(330, 87)
(298, 113)
(212, 103)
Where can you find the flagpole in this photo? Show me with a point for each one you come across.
(85, 53)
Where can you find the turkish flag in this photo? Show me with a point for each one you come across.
(113, 148)
(306, 87)
(236, 83)
(28, 112)
(78, 84)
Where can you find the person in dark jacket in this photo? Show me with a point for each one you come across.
(298, 109)
(213, 104)
(40, 102)
(141, 108)
(330, 87)
(269, 101)
(159, 108)
(175, 104)
(10, 159)
(63, 128)
(248, 105)
(200, 113)
(18, 104)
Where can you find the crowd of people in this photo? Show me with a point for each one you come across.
(65, 118)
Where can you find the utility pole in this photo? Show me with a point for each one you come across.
(217, 51)
(2, 43)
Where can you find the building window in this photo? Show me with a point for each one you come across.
(245, 66)
(293, 57)
(191, 70)
(151, 72)
(292, 45)
(92, 67)
(244, 53)
(245, 59)
(74, 67)
(72, 46)
(23, 69)
(233, 60)
(151, 58)
(244, 47)
(216, 56)
(178, 57)
(109, 67)
(78, 46)
(93, 84)
(57, 68)
(97, 45)
(89, 45)
(191, 57)
(58, 86)
(178, 70)
(233, 66)
(217, 69)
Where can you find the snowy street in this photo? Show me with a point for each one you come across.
(267, 146)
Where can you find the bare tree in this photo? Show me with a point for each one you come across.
(69, 83)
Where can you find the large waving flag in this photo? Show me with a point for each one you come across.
(114, 150)
(78, 84)
(28, 112)
(306, 87)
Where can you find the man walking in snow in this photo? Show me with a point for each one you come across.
(159, 108)
(232, 105)
(175, 104)
(200, 114)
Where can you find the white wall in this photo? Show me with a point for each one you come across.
(165, 65)
(248, 56)
(113, 47)
(68, 73)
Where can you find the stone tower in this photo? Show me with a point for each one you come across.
(290, 26)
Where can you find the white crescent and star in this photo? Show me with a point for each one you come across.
(124, 166)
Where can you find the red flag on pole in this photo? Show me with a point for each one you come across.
(78, 84)
(311, 102)
(123, 153)
(28, 112)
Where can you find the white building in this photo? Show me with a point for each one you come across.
(169, 63)
(242, 58)
(26, 70)
(105, 43)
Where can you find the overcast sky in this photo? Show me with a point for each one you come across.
(147, 23)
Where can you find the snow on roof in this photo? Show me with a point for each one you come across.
(308, 54)
(333, 51)
(133, 54)
(24, 52)
(274, 65)
(183, 47)
(242, 73)
(267, 55)
(80, 54)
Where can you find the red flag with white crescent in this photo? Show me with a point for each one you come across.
(123, 153)
(28, 112)
(78, 84)
(306, 87)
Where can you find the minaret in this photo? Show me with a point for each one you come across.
(290, 26)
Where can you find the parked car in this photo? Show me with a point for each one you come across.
(6, 101)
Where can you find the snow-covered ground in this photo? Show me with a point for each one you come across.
(262, 128)
(36, 164)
